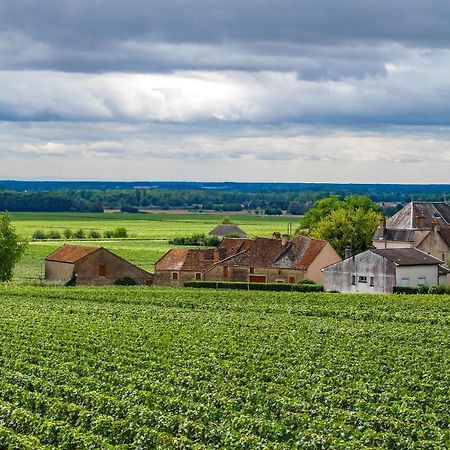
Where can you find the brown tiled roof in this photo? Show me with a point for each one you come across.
(299, 253)
(186, 260)
(70, 253)
(231, 246)
(406, 256)
(227, 229)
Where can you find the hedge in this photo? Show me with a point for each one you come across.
(440, 290)
(255, 286)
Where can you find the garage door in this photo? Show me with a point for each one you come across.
(257, 278)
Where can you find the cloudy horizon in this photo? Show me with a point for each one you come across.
(288, 91)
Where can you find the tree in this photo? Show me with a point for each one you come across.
(11, 247)
(345, 226)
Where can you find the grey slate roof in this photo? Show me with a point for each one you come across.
(227, 230)
(406, 218)
(407, 256)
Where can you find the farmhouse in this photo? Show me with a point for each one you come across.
(91, 265)
(180, 265)
(276, 260)
(380, 270)
(421, 225)
(227, 229)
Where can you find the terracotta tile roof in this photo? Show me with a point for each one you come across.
(300, 252)
(69, 253)
(227, 229)
(231, 246)
(186, 260)
(406, 256)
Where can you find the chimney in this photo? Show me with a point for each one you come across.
(435, 225)
(216, 255)
(421, 222)
(382, 227)
(284, 239)
(348, 252)
(276, 235)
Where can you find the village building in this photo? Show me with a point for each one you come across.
(380, 270)
(80, 264)
(227, 230)
(421, 225)
(276, 260)
(180, 265)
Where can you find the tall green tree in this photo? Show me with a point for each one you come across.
(11, 247)
(346, 226)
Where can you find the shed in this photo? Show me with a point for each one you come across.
(228, 229)
(91, 265)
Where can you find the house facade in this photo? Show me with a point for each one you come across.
(380, 270)
(91, 266)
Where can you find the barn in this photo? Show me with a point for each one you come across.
(84, 265)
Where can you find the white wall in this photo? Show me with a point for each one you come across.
(413, 273)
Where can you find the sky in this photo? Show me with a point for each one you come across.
(225, 90)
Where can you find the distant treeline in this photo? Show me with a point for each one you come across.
(294, 201)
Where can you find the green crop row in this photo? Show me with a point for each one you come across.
(129, 368)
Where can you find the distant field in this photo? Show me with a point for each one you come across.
(139, 368)
(149, 226)
(150, 231)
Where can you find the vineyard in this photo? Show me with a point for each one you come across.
(141, 368)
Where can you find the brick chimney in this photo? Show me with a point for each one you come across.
(421, 222)
(382, 227)
(435, 225)
(276, 235)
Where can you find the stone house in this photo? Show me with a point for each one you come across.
(180, 265)
(380, 270)
(421, 225)
(276, 260)
(91, 265)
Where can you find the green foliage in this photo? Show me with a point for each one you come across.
(226, 220)
(439, 290)
(345, 226)
(11, 247)
(254, 286)
(79, 234)
(405, 290)
(195, 369)
(306, 281)
(94, 234)
(53, 234)
(423, 289)
(67, 233)
(120, 232)
(39, 235)
(197, 239)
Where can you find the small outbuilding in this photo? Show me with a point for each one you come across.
(228, 230)
(380, 270)
(80, 264)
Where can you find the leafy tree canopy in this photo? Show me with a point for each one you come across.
(11, 247)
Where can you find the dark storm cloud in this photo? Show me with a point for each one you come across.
(318, 39)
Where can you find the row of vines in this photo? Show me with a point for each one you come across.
(129, 368)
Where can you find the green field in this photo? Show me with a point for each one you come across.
(135, 368)
(148, 233)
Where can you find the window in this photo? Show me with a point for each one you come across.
(225, 271)
(174, 275)
(404, 282)
(198, 276)
(372, 281)
(280, 281)
(102, 270)
(353, 279)
(422, 281)
(252, 270)
(292, 280)
(362, 279)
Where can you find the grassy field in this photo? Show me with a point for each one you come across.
(149, 233)
(135, 368)
(149, 226)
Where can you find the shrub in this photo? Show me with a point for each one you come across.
(79, 234)
(423, 289)
(53, 234)
(306, 281)
(120, 232)
(199, 239)
(125, 281)
(67, 233)
(93, 234)
(405, 290)
(129, 209)
(39, 235)
(439, 290)
(108, 234)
